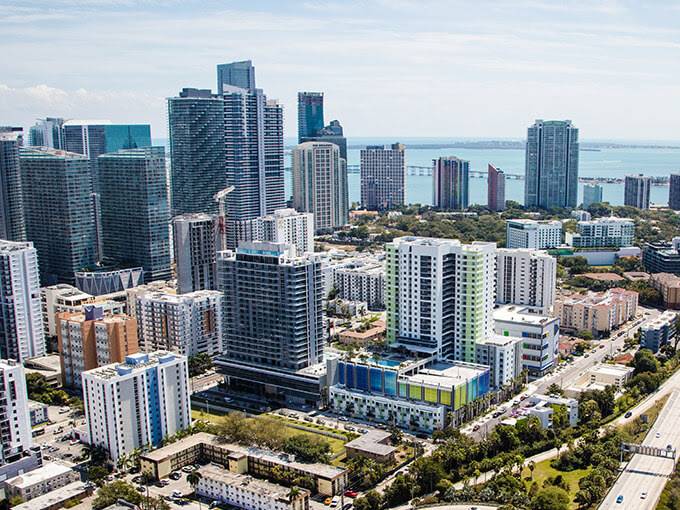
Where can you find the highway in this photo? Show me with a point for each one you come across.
(641, 483)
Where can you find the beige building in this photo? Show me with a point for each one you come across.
(244, 491)
(597, 312)
(91, 339)
(327, 480)
(599, 377)
(40, 481)
(669, 286)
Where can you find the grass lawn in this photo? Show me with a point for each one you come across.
(545, 470)
(337, 445)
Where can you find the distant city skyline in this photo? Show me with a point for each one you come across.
(372, 60)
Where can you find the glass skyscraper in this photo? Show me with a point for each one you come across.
(236, 74)
(592, 194)
(12, 225)
(310, 114)
(135, 215)
(551, 176)
(58, 212)
(451, 176)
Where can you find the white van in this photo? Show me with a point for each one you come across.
(335, 502)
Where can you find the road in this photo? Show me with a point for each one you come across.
(644, 478)
(567, 373)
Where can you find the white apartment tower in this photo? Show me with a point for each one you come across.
(283, 226)
(194, 240)
(137, 403)
(526, 277)
(187, 324)
(440, 295)
(15, 419)
(538, 235)
(320, 184)
(603, 233)
(22, 335)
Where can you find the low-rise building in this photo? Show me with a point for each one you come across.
(40, 481)
(602, 233)
(597, 312)
(203, 447)
(244, 491)
(669, 286)
(580, 215)
(38, 412)
(661, 331)
(662, 257)
(69, 494)
(543, 409)
(599, 377)
(374, 445)
(540, 336)
(418, 394)
(344, 308)
(375, 333)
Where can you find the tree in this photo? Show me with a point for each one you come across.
(308, 448)
(644, 361)
(589, 412)
(555, 389)
(371, 501)
(97, 474)
(427, 472)
(585, 335)
(199, 364)
(112, 492)
(400, 491)
(15, 501)
(550, 498)
(193, 479)
(532, 466)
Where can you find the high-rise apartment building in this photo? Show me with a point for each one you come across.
(526, 277)
(551, 174)
(310, 114)
(602, 233)
(273, 313)
(92, 339)
(138, 403)
(383, 177)
(21, 335)
(284, 226)
(636, 191)
(194, 238)
(134, 210)
(537, 235)
(47, 132)
(56, 187)
(451, 176)
(320, 184)
(196, 128)
(236, 74)
(187, 324)
(332, 133)
(440, 295)
(592, 194)
(674, 192)
(15, 419)
(12, 226)
(495, 193)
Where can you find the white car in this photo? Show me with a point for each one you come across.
(643, 495)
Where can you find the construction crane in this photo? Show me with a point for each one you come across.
(220, 198)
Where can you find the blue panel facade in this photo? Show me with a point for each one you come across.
(362, 377)
(350, 376)
(376, 380)
(390, 383)
(341, 372)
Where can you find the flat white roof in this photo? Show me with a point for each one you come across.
(520, 314)
(42, 474)
(67, 492)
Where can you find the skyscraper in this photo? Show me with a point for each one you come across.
(495, 188)
(137, 403)
(383, 176)
(439, 295)
(196, 125)
(56, 188)
(47, 132)
(135, 214)
(451, 183)
(21, 321)
(551, 175)
(273, 313)
(674, 192)
(15, 425)
(526, 277)
(284, 226)
(194, 239)
(237, 74)
(320, 184)
(12, 225)
(636, 191)
(310, 114)
(592, 194)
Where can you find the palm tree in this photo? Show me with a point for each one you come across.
(293, 493)
(193, 478)
(532, 466)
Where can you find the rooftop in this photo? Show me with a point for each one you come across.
(134, 363)
(522, 314)
(55, 497)
(603, 277)
(11, 246)
(613, 370)
(42, 474)
(447, 375)
(524, 221)
(373, 442)
(262, 487)
(48, 152)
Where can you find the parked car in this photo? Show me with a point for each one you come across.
(628, 414)
(351, 494)
(619, 499)
(176, 475)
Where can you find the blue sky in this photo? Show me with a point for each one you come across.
(387, 67)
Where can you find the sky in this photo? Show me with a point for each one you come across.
(388, 68)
